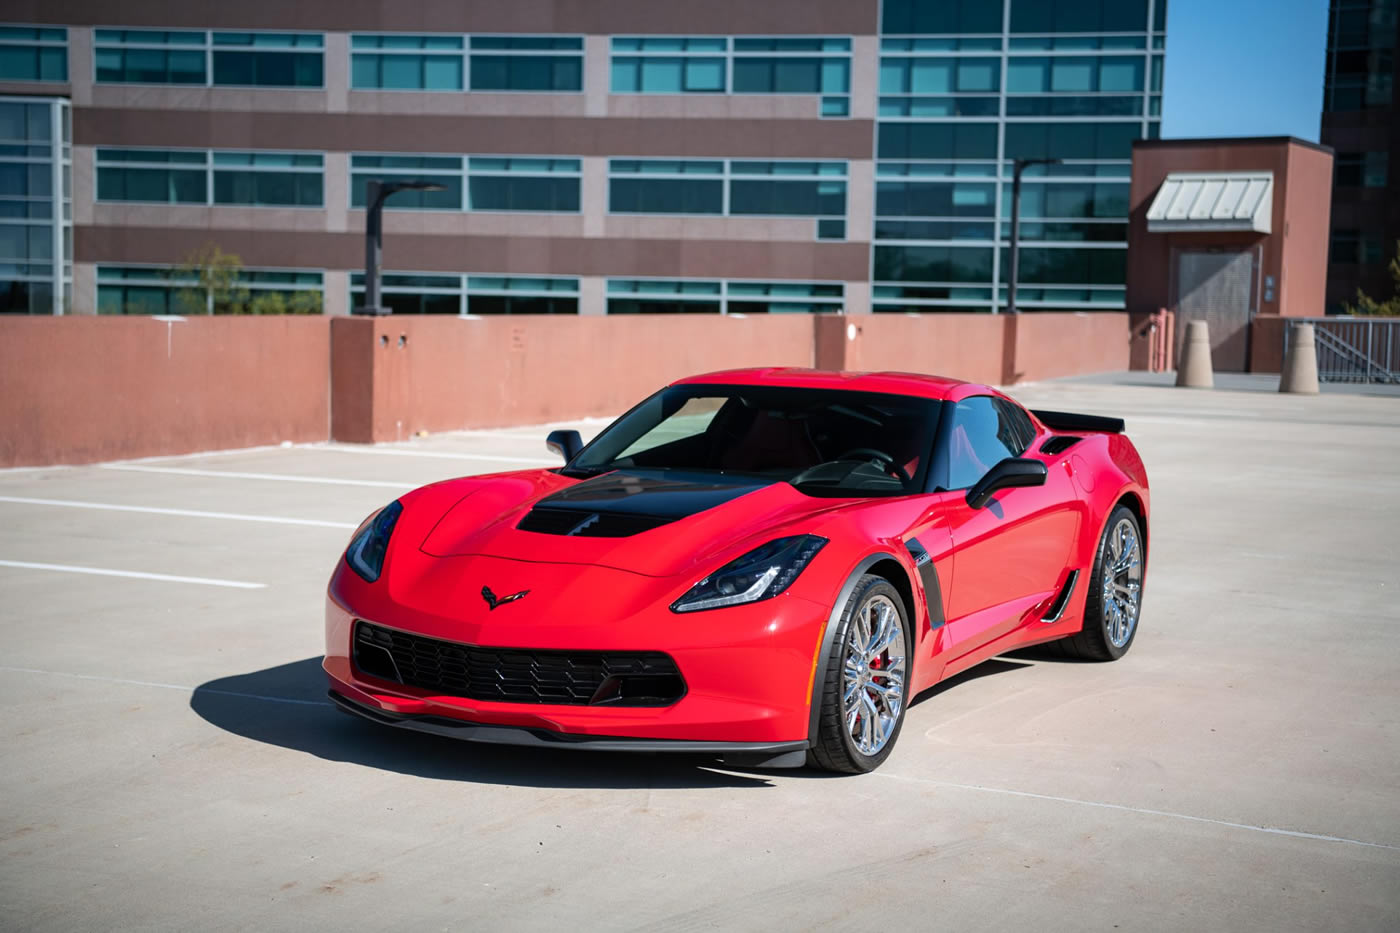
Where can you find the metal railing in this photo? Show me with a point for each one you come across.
(1353, 349)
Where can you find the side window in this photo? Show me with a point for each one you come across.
(981, 438)
(1020, 422)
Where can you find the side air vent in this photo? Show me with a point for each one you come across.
(1061, 602)
(1059, 444)
(578, 523)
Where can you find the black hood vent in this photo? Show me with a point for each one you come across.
(575, 523)
(624, 503)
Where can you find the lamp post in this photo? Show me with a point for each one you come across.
(379, 192)
(1020, 165)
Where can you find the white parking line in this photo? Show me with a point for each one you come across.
(150, 683)
(443, 455)
(276, 477)
(1271, 830)
(135, 574)
(191, 513)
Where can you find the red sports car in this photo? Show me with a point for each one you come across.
(761, 565)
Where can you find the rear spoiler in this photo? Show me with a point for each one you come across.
(1068, 421)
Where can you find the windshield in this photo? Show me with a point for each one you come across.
(822, 441)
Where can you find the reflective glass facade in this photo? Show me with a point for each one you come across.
(965, 90)
(675, 160)
(1359, 123)
(36, 207)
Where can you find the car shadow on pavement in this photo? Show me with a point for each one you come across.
(287, 706)
(999, 665)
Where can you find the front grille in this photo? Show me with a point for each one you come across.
(583, 524)
(517, 675)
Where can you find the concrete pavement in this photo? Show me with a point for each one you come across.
(170, 762)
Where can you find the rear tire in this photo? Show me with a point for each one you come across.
(866, 689)
(1114, 601)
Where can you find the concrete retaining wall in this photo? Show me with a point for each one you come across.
(86, 389)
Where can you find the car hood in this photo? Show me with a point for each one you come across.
(653, 522)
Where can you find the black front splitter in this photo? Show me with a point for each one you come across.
(745, 754)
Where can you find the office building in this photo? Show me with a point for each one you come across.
(1359, 123)
(615, 156)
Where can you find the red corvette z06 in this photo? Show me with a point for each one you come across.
(761, 565)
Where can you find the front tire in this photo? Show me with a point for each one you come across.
(1114, 601)
(866, 690)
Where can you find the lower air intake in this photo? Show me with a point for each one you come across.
(517, 675)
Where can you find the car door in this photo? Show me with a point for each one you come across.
(1009, 555)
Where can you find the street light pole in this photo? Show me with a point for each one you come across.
(379, 192)
(1019, 166)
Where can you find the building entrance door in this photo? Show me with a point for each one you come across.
(1217, 286)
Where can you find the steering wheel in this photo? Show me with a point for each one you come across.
(884, 460)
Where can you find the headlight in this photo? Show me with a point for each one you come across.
(762, 573)
(365, 555)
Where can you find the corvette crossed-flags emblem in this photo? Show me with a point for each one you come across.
(493, 601)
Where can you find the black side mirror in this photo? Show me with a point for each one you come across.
(566, 444)
(1011, 472)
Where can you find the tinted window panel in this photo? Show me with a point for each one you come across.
(981, 437)
(666, 196)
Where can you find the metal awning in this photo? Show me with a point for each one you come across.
(1204, 202)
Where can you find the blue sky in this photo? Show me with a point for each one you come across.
(1244, 68)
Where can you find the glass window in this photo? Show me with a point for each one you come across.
(988, 106)
(156, 290)
(35, 271)
(787, 73)
(1346, 246)
(938, 141)
(1070, 265)
(519, 184)
(691, 65)
(1120, 74)
(1361, 169)
(939, 75)
(268, 179)
(934, 199)
(1072, 73)
(1069, 199)
(661, 187)
(1075, 74)
(178, 176)
(406, 62)
(1041, 16)
(783, 297)
(933, 264)
(948, 16)
(446, 171)
(1062, 105)
(981, 437)
(1071, 140)
(527, 63)
(262, 59)
(33, 54)
(143, 56)
(502, 295)
(784, 191)
(658, 296)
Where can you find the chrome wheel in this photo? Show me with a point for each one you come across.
(873, 675)
(1122, 582)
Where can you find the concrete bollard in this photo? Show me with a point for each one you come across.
(1300, 364)
(1193, 370)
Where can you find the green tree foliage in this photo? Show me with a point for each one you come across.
(1365, 304)
(220, 288)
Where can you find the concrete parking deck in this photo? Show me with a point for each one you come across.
(170, 762)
